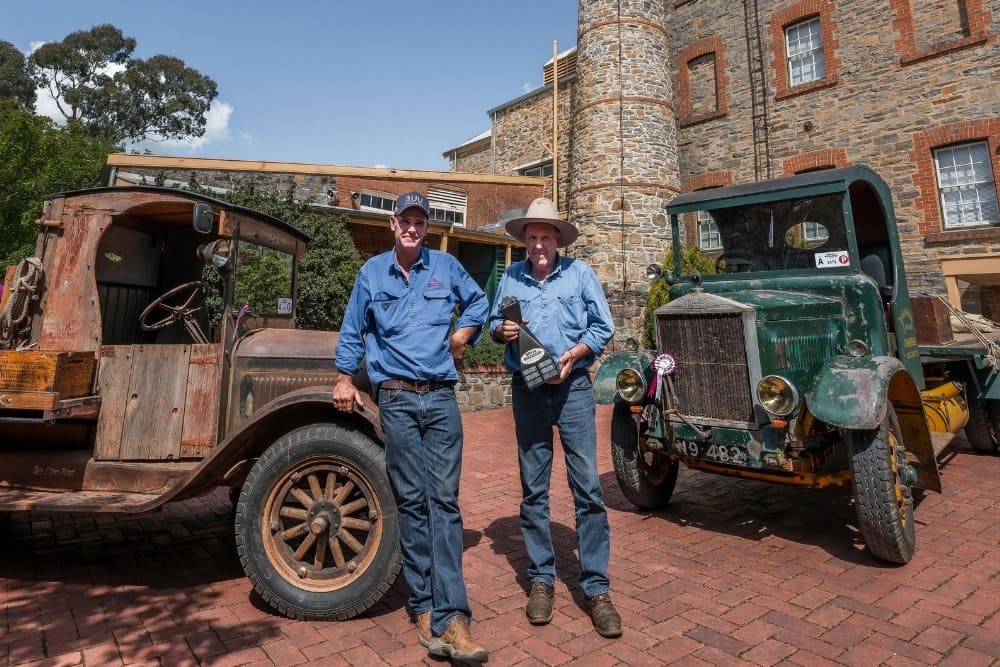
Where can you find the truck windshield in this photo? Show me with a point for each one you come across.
(806, 233)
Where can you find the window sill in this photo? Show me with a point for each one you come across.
(941, 49)
(962, 235)
(804, 88)
(688, 121)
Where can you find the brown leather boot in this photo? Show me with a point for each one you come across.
(424, 634)
(539, 609)
(606, 620)
(457, 644)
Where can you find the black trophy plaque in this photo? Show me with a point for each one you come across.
(537, 365)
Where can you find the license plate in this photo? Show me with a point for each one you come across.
(710, 451)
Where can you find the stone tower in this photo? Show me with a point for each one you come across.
(623, 165)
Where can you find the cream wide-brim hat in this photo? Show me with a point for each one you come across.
(543, 210)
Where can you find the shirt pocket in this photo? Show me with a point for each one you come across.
(437, 307)
(389, 310)
(572, 314)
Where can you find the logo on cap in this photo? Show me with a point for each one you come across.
(410, 200)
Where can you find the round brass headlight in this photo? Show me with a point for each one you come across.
(630, 385)
(777, 395)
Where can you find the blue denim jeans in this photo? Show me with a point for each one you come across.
(570, 407)
(423, 456)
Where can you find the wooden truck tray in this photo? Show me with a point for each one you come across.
(37, 380)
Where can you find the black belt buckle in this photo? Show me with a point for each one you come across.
(422, 386)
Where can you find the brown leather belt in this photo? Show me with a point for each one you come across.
(418, 386)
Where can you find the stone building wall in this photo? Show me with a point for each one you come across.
(903, 77)
(483, 390)
(625, 161)
(888, 98)
(524, 130)
(475, 158)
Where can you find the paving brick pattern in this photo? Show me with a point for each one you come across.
(731, 573)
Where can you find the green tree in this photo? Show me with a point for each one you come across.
(331, 262)
(326, 272)
(38, 158)
(15, 84)
(95, 82)
(692, 261)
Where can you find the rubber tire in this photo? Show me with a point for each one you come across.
(889, 534)
(285, 598)
(983, 429)
(638, 486)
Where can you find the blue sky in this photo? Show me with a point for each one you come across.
(364, 83)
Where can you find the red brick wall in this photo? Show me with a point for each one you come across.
(825, 158)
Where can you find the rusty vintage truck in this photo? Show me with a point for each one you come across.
(802, 359)
(120, 391)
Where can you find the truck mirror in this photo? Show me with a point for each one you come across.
(202, 217)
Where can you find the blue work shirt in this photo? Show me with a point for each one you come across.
(403, 327)
(568, 308)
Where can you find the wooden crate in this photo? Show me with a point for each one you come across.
(68, 374)
(933, 320)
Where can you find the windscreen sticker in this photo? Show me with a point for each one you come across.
(829, 260)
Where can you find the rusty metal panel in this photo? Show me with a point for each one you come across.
(154, 413)
(72, 319)
(114, 371)
(712, 376)
(201, 406)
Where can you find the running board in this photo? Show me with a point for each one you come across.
(77, 501)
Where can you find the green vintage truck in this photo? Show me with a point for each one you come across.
(798, 360)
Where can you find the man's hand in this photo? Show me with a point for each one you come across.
(345, 394)
(508, 331)
(567, 360)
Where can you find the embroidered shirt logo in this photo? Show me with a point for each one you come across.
(434, 283)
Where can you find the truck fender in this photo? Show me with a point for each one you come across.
(605, 386)
(853, 393)
(271, 421)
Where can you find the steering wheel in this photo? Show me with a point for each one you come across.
(740, 261)
(191, 295)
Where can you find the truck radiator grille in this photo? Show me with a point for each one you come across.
(712, 377)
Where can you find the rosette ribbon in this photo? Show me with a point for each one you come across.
(664, 366)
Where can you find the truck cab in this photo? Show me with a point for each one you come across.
(796, 360)
(148, 354)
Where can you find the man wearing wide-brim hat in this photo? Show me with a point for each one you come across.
(563, 305)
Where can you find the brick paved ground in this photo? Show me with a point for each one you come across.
(733, 572)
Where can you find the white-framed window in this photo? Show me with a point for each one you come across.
(376, 201)
(966, 185)
(813, 231)
(708, 232)
(540, 169)
(448, 205)
(804, 50)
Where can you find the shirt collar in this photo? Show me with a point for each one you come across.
(421, 261)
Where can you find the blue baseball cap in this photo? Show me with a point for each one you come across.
(411, 200)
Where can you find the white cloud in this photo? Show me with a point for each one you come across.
(527, 87)
(216, 128)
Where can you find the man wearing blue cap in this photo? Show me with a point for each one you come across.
(399, 319)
